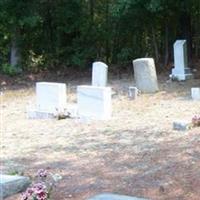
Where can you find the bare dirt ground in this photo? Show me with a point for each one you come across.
(135, 153)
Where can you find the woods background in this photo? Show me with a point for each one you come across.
(55, 34)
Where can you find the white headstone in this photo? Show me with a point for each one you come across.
(50, 97)
(181, 70)
(195, 93)
(99, 74)
(94, 102)
(145, 75)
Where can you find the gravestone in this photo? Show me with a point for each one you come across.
(107, 196)
(133, 92)
(50, 97)
(10, 185)
(145, 75)
(94, 102)
(181, 125)
(51, 100)
(180, 71)
(195, 93)
(99, 74)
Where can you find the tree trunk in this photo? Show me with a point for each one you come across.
(166, 59)
(186, 31)
(107, 30)
(155, 45)
(15, 54)
(92, 10)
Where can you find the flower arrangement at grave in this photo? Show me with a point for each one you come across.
(196, 121)
(43, 187)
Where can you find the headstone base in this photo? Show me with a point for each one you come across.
(35, 114)
(71, 111)
(181, 77)
(176, 75)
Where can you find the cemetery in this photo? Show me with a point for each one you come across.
(99, 100)
(127, 146)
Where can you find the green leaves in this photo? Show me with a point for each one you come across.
(77, 32)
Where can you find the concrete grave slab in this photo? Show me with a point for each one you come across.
(10, 185)
(108, 196)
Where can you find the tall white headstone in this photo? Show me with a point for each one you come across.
(50, 97)
(99, 74)
(94, 102)
(180, 71)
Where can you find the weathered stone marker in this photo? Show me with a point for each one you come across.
(181, 125)
(145, 75)
(10, 185)
(133, 92)
(180, 71)
(107, 196)
(94, 102)
(99, 74)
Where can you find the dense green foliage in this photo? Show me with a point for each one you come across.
(61, 33)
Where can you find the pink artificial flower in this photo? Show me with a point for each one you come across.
(42, 173)
(24, 196)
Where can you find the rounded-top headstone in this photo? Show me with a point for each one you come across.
(145, 75)
(99, 74)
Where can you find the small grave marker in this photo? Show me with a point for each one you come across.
(195, 93)
(107, 196)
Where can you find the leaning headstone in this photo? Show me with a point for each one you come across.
(181, 71)
(195, 93)
(51, 99)
(107, 196)
(94, 102)
(10, 185)
(99, 74)
(145, 75)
